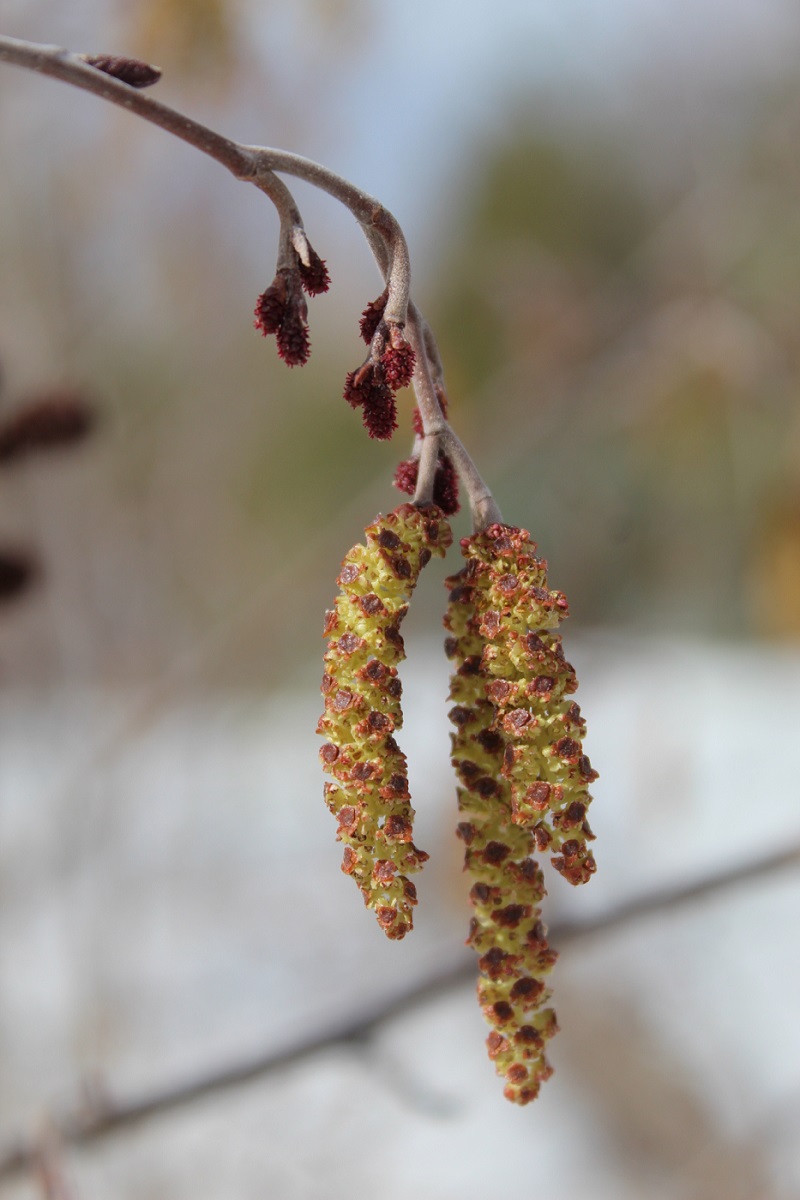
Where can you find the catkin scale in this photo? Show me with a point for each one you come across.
(369, 793)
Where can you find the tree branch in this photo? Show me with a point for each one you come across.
(102, 1114)
(258, 165)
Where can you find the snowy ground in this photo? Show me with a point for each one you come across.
(170, 900)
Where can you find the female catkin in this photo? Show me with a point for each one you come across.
(369, 795)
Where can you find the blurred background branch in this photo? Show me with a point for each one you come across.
(99, 1113)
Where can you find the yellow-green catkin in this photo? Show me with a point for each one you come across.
(506, 930)
(523, 780)
(369, 796)
(528, 681)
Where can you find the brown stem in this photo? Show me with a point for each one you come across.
(257, 165)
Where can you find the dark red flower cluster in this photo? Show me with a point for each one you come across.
(398, 361)
(367, 389)
(281, 310)
(314, 277)
(390, 367)
(445, 486)
(405, 477)
(372, 316)
(445, 483)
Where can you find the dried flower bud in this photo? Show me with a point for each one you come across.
(362, 692)
(507, 885)
(372, 316)
(314, 277)
(282, 310)
(18, 570)
(524, 676)
(48, 423)
(132, 71)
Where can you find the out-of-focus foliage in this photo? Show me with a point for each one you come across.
(188, 34)
(627, 353)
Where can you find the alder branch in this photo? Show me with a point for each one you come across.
(101, 1114)
(258, 165)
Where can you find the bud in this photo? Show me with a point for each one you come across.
(132, 71)
(369, 794)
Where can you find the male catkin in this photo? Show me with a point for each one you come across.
(369, 796)
(523, 784)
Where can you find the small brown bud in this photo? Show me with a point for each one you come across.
(132, 71)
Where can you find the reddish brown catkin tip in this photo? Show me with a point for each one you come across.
(366, 388)
(445, 486)
(372, 316)
(369, 796)
(282, 310)
(373, 385)
(398, 361)
(405, 477)
(314, 277)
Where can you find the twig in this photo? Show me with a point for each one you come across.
(258, 165)
(103, 1115)
(48, 1165)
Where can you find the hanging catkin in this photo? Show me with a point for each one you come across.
(369, 796)
(523, 784)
